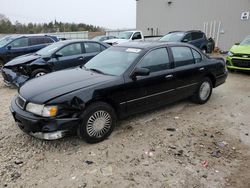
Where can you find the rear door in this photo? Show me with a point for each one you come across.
(146, 92)
(186, 73)
(71, 56)
(92, 49)
(17, 48)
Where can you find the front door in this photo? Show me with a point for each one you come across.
(69, 56)
(146, 92)
(17, 48)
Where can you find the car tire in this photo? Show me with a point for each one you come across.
(97, 122)
(204, 91)
(39, 72)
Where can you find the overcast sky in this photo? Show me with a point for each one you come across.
(106, 13)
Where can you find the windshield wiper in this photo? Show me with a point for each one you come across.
(98, 71)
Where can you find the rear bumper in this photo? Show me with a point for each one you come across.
(40, 127)
(221, 79)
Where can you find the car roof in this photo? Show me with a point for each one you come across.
(29, 35)
(148, 45)
(189, 31)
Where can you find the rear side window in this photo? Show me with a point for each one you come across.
(197, 35)
(47, 40)
(72, 49)
(156, 60)
(182, 56)
(20, 43)
(197, 56)
(91, 47)
(39, 40)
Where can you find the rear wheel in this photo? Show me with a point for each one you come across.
(39, 72)
(98, 122)
(204, 91)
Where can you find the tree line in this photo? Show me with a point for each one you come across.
(6, 27)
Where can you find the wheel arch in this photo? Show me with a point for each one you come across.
(108, 101)
(212, 78)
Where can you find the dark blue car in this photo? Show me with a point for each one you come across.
(58, 56)
(196, 38)
(17, 45)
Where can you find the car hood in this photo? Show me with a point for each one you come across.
(240, 49)
(118, 41)
(45, 88)
(22, 59)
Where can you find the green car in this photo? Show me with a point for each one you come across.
(239, 56)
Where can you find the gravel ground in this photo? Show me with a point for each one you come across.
(181, 145)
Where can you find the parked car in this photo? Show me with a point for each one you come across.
(58, 56)
(121, 81)
(126, 36)
(239, 56)
(16, 45)
(196, 38)
(103, 38)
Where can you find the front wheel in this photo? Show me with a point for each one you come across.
(98, 122)
(39, 72)
(204, 91)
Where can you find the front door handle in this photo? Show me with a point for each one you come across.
(81, 58)
(169, 77)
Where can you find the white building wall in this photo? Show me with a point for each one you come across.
(195, 14)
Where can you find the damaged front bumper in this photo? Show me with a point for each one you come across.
(41, 127)
(12, 78)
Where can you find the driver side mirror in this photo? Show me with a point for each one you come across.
(140, 72)
(57, 55)
(9, 47)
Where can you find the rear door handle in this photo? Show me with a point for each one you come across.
(201, 69)
(169, 77)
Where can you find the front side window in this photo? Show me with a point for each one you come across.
(187, 38)
(197, 35)
(137, 36)
(91, 47)
(72, 49)
(182, 56)
(113, 61)
(20, 43)
(156, 60)
(197, 56)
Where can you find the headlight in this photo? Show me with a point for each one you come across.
(230, 54)
(42, 110)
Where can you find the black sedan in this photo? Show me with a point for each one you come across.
(58, 56)
(122, 80)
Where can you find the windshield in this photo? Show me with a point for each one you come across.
(97, 38)
(49, 50)
(125, 35)
(113, 61)
(246, 41)
(173, 37)
(6, 40)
